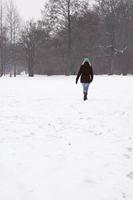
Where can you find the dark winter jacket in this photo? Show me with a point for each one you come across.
(86, 73)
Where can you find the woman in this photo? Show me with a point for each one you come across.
(86, 73)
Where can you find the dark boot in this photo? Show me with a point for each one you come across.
(85, 96)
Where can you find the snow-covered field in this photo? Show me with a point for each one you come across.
(55, 146)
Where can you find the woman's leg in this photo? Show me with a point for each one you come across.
(86, 86)
(85, 90)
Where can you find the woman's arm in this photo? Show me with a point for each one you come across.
(79, 73)
(91, 74)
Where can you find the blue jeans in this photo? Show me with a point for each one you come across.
(85, 87)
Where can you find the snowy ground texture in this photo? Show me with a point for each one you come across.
(55, 146)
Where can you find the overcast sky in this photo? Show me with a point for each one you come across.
(29, 9)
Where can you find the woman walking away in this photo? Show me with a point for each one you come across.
(86, 73)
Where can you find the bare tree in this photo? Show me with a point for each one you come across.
(115, 16)
(2, 37)
(29, 40)
(59, 14)
(13, 24)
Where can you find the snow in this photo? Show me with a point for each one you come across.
(55, 146)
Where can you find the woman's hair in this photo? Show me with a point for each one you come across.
(87, 61)
(87, 64)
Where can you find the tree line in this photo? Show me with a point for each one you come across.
(68, 31)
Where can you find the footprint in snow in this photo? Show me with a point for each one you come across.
(123, 195)
(98, 134)
(129, 149)
(89, 181)
(130, 175)
(127, 156)
(28, 135)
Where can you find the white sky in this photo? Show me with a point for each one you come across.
(29, 9)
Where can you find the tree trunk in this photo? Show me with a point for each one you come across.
(69, 40)
(31, 64)
(1, 48)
